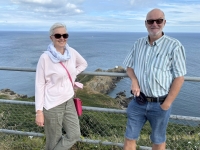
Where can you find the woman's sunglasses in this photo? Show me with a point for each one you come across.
(58, 36)
(158, 21)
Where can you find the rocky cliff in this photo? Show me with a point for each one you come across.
(8, 94)
(103, 84)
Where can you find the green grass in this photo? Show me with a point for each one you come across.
(18, 142)
(96, 100)
(84, 78)
(14, 142)
(3, 97)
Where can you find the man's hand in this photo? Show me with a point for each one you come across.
(165, 106)
(135, 89)
(135, 85)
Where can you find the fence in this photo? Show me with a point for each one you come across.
(103, 128)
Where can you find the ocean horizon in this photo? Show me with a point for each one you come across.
(102, 50)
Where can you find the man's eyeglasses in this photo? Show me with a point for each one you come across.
(58, 36)
(158, 21)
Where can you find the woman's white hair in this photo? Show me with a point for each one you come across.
(56, 25)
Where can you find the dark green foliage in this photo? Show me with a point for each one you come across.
(96, 100)
(3, 97)
(84, 78)
(28, 99)
(17, 142)
(18, 117)
(94, 125)
(102, 125)
(86, 146)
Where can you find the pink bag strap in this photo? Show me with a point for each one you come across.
(67, 73)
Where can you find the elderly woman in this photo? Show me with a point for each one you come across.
(54, 92)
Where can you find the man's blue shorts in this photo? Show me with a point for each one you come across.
(137, 116)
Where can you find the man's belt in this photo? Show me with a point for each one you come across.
(156, 99)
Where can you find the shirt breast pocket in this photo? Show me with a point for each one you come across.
(162, 62)
(162, 71)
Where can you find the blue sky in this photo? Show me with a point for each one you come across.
(97, 15)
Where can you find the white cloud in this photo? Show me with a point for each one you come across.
(33, 1)
(51, 7)
(132, 2)
(144, 3)
(187, 14)
(108, 15)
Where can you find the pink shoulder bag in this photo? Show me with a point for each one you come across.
(77, 101)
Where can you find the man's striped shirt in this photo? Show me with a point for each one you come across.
(157, 65)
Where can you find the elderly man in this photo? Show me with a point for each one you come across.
(156, 67)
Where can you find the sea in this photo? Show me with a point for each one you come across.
(102, 50)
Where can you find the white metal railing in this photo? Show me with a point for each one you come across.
(187, 78)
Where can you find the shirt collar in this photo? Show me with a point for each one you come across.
(157, 42)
